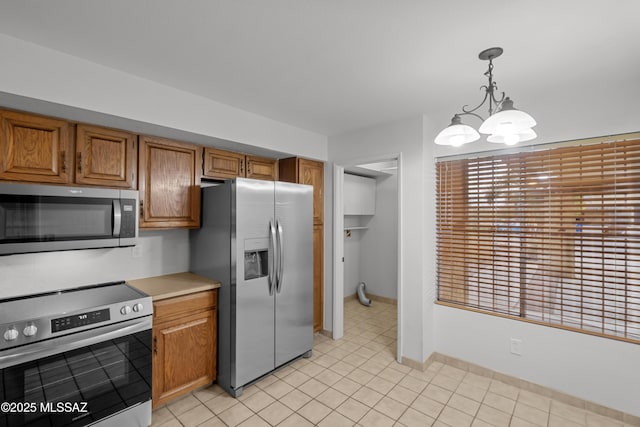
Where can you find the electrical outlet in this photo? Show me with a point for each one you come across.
(136, 251)
(516, 346)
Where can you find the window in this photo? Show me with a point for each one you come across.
(552, 236)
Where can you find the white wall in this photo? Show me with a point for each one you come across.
(371, 255)
(352, 256)
(386, 141)
(597, 369)
(29, 70)
(600, 370)
(61, 85)
(162, 252)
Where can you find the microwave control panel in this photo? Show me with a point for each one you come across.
(129, 214)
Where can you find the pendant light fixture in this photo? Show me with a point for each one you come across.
(504, 125)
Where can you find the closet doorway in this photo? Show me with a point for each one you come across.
(367, 246)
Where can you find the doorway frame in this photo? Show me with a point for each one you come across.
(338, 243)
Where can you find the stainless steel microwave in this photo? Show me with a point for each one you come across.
(41, 218)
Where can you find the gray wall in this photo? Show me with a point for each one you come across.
(371, 255)
(161, 252)
(379, 254)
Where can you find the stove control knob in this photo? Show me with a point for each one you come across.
(138, 307)
(125, 310)
(11, 334)
(30, 330)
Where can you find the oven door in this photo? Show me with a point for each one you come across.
(101, 376)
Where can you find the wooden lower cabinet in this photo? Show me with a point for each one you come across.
(184, 345)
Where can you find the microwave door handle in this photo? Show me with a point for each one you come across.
(117, 218)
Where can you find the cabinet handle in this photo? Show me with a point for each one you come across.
(63, 156)
(242, 168)
(142, 209)
(249, 169)
(155, 345)
(80, 162)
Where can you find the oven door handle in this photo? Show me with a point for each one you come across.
(38, 350)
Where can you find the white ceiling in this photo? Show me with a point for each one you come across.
(335, 65)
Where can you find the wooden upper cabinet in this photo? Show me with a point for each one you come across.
(105, 157)
(221, 164)
(35, 149)
(169, 183)
(312, 173)
(262, 168)
(304, 171)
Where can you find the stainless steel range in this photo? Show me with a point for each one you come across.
(76, 357)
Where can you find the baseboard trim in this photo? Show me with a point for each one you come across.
(373, 297)
(326, 333)
(525, 385)
(420, 366)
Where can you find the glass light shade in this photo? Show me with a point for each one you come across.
(456, 135)
(513, 138)
(507, 121)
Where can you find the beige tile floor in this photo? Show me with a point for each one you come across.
(356, 381)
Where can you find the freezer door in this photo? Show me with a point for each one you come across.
(253, 306)
(294, 290)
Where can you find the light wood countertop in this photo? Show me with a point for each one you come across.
(173, 285)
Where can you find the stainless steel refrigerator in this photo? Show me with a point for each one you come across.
(257, 240)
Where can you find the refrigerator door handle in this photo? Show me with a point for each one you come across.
(280, 270)
(272, 256)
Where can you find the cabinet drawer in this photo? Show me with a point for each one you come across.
(187, 304)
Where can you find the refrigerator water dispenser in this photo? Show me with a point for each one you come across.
(256, 259)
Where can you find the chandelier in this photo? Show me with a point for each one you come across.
(504, 125)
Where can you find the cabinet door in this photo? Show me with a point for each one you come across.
(35, 149)
(262, 168)
(318, 277)
(169, 183)
(222, 164)
(312, 173)
(184, 355)
(105, 157)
